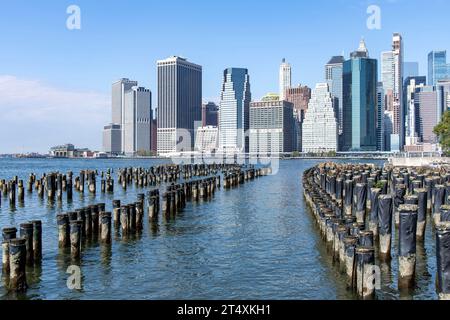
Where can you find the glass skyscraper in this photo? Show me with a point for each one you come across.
(234, 111)
(333, 77)
(360, 101)
(437, 67)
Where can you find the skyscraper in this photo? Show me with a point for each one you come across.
(443, 91)
(285, 78)
(234, 111)
(380, 117)
(137, 121)
(179, 104)
(360, 101)
(428, 115)
(399, 113)
(387, 70)
(119, 89)
(437, 67)
(333, 77)
(112, 138)
(412, 121)
(271, 127)
(299, 96)
(320, 125)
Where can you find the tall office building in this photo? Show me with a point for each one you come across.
(392, 78)
(399, 113)
(119, 88)
(443, 92)
(410, 69)
(210, 114)
(179, 104)
(410, 86)
(114, 133)
(285, 78)
(360, 101)
(333, 77)
(437, 67)
(388, 120)
(137, 120)
(427, 112)
(380, 117)
(271, 127)
(112, 139)
(319, 132)
(299, 96)
(387, 70)
(234, 111)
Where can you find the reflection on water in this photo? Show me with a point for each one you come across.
(257, 241)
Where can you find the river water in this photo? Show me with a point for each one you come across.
(257, 241)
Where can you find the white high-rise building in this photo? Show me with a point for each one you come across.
(285, 78)
(320, 125)
(411, 134)
(137, 121)
(399, 114)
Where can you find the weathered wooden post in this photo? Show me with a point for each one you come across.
(37, 240)
(373, 218)
(407, 243)
(421, 212)
(439, 200)
(124, 219)
(365, 263)
(443, 260)
(63, 230)
(75, 239)
(360, 193)
(87, 231)
(8, 234)
(116, 213)
(385, 225)
(350, 243)
(348, 197)
(17, 265)
(399, 199)
(26, 232)
(106, 227)
(132, 217)
(95, 220)
(20, 192)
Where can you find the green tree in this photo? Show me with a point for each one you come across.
(442, 130)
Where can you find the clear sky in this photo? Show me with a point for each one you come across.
(55, 83)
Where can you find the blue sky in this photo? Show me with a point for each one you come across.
(55, 83)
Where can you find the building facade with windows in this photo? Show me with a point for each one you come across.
(234, 111)
(179, 104)
(271, 127)
(319, 128)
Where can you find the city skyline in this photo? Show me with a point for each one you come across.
(72, 71)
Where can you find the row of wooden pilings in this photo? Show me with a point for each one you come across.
(20, 252)
(357, 207)
(93, 223)
(55, 184)
(235, 177)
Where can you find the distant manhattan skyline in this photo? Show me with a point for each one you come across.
(55, 83)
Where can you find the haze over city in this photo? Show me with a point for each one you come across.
(55, 83)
